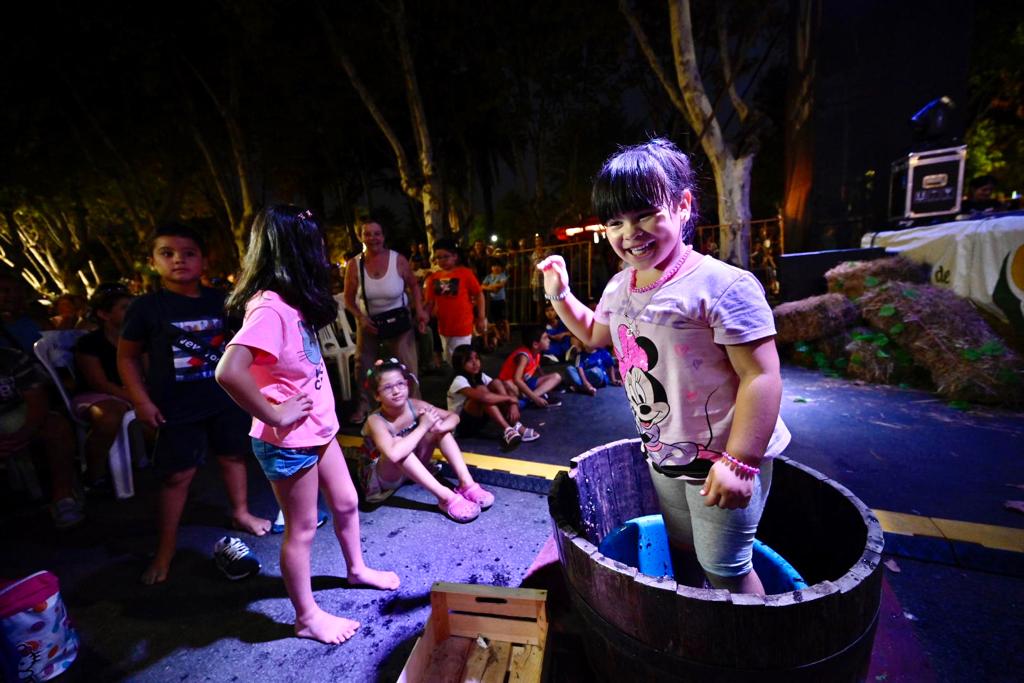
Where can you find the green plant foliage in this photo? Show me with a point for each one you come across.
(897, 328)
(871, 281)
(1007, 376)
(992, 348)
(887, 311)
(910, 293)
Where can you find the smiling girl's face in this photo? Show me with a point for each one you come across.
(649, 238)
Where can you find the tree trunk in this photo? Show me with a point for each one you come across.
(732, 182)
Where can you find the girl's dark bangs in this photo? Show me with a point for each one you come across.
(626, 185)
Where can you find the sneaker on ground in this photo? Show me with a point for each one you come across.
(67, 513)
(553, 401)
(234, 559)
(551, 358)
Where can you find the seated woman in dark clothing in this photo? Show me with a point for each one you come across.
(102, 398)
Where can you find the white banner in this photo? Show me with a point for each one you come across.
(982, 260)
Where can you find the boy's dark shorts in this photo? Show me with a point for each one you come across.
(532, 381)
(498, 311)
(183, 445)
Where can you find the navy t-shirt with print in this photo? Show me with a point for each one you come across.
(180, 384)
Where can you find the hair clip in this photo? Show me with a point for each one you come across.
(305, 215)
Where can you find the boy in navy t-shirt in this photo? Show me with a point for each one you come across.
(183, 328)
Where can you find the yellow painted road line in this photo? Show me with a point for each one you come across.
(988, 535)
(486, 462)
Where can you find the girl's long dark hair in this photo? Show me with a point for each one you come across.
(460, 356)
(287, 255)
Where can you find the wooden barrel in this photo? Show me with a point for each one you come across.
(643, 628)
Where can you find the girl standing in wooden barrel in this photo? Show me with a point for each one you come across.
(694, 339)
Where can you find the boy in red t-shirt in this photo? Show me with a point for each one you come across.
(453, 295)
(521, 371)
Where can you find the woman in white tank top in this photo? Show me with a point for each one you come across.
(381, 279)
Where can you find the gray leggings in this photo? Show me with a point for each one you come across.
(722, 539)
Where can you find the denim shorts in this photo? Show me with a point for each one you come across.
(722, 539)
(281, 463)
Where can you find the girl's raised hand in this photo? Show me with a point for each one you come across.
(725, 488)
(556, 275)
(293, 409)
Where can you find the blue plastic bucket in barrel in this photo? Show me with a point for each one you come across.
(642, 543)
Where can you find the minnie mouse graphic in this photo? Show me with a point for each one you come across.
(646, 395)
(649, 402)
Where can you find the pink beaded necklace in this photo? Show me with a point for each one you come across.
(669, 273)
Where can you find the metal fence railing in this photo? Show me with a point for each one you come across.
(591, 264)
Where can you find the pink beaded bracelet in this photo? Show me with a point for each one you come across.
(742, 467)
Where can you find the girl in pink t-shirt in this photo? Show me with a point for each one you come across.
(694, 339)
(273, 369)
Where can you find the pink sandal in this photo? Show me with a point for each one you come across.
(460, 509)
(476, 493)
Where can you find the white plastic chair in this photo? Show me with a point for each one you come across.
(56, 350)
(333, 350)
(347, 339)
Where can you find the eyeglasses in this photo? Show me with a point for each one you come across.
(388, 388)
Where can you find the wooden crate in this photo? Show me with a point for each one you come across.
(480, 634)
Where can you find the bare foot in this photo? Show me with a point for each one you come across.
(374, 578)
(156, 572)
(325, 627)
(249, 523)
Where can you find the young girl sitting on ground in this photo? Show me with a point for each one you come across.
(274, 370)
(695, 341)
(476, 398)
(400, 438)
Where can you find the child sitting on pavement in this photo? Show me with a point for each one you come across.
(558, 333)
(477, 398)
(521, 371)
(591, 368)
(400, 438)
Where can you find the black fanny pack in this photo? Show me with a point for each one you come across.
(391, 323)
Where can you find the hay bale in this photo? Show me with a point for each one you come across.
(853, 278)
(944, 334)
(813, 318)
(827, 354)
(874, 357)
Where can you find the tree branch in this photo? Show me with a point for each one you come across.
(742, 111)
(698, 111)
(645, 46)
(410, 188)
